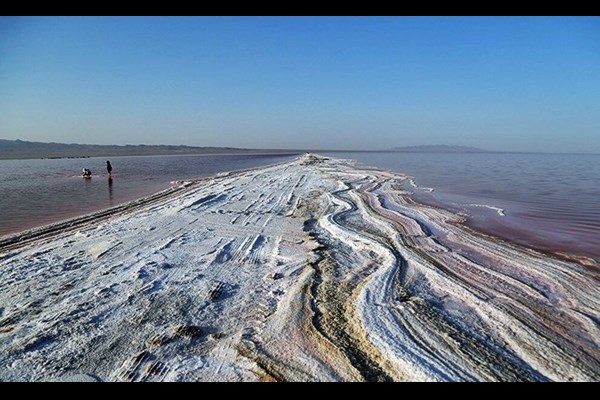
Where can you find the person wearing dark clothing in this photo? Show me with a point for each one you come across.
(109, 169)
(86, 173)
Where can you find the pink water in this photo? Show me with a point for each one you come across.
(551, 202)
(38, 192)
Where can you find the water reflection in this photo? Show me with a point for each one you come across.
(110, 190)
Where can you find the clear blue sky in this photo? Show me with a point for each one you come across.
(501, 83)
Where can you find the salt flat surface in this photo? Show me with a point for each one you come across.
(308, 270)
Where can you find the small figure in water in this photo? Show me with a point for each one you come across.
(86, 173)
(109, 169)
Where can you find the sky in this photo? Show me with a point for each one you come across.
(350, 83)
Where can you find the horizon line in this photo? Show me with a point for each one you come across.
(390, 150)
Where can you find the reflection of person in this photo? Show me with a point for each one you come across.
(110, 190)
(86, 173)
(109, 169)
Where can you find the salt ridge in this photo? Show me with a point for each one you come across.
(500, 211)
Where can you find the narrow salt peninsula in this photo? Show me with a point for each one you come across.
(308, 270)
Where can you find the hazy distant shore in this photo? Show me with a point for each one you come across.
(311, 269)
(21, 149)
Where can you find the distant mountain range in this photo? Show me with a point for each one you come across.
(439, 149)
(20, 149)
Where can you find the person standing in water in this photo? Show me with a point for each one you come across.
(109, 169)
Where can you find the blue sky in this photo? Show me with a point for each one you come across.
(500, 83)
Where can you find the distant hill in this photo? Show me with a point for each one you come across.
(20, 149)
(439, 149)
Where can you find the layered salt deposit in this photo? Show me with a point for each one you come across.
(308, 270)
